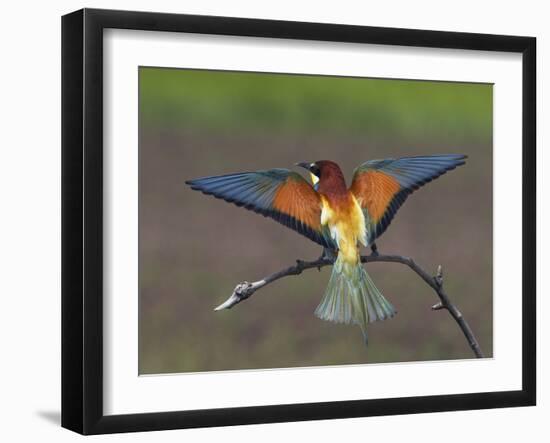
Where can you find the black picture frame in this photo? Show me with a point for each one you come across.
(82, 220)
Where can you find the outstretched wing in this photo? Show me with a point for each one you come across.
(277, 193)
(382, 186)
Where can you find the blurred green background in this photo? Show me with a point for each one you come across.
(194, 249)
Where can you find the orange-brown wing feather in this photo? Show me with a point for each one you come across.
(382, 186)
(280, 194)
(374, 191)
(296, 198)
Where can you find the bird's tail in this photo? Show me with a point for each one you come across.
(351, 297)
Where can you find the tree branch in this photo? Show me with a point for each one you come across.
(245, 289)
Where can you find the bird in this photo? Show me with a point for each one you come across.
(338, 217)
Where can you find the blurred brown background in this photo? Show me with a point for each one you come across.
(194, 249)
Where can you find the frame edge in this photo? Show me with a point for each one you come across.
(529, 221)
(72, 221)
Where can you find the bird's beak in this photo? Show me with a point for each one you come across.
(304, 165)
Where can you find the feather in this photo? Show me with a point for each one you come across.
(382, 186)
(280, 194)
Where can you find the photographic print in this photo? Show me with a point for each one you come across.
(293, 220)
(256, 204)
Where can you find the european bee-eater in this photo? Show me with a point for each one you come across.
(337, 217)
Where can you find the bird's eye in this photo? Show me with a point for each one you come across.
(314, 169)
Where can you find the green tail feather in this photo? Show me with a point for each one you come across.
(351, 297)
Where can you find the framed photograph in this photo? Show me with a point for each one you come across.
(269, 221)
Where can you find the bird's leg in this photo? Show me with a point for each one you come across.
(327, 254)
(374, 250)
(322, 256)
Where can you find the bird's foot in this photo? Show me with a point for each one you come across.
(327, 254)
(374, 250)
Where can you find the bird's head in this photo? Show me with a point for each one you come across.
(314, 170)
(325, 171)
(320, 167)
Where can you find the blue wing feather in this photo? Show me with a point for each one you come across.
(256, 191)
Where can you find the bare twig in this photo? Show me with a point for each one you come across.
(245, 289)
